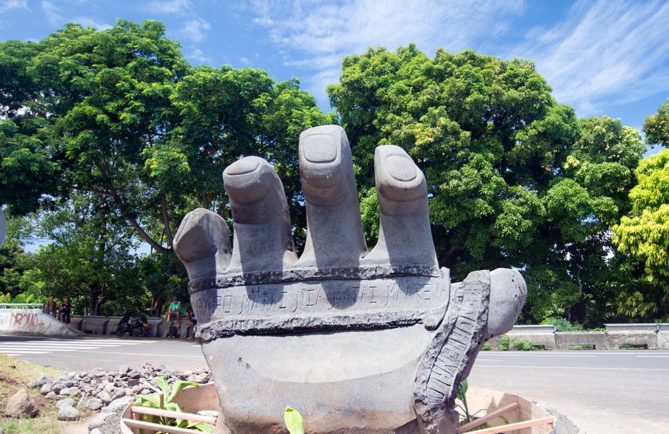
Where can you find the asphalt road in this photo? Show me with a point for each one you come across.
(607, 392)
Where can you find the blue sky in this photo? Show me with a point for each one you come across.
(604, 57)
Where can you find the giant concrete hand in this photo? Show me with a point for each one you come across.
(357, 341)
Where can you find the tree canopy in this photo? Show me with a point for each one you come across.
(120, 117)
(514, 178)
(644, 231)
(107, 138)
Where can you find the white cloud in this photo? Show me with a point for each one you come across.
(198, 56)
(55, 17)
(53, 14)
(8, 5)
(195, 30)
(168, 6)
(90, 22)
(606, 51)
(324, 32)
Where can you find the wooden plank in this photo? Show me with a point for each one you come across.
(155, 427)
(550, 420)
(174, 414)
(488, 417)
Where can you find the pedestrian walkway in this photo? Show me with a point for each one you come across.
(15, 346)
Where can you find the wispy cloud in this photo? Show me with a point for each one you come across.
(52, 12)
(55, 17)
(7, 5)
(198, 56)
(168, 6)
(320, 34)
(603, 52)
(91, 22)
(195, 30)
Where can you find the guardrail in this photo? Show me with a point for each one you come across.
(21, 306)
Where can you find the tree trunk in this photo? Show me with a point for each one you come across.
(166, 221)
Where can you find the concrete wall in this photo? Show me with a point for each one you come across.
(616, 336)
(34, 323)
(106, 325)
(649, 336)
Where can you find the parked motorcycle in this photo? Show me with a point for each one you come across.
(133, 326)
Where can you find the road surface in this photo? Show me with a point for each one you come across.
(607, 392)
(603, 392)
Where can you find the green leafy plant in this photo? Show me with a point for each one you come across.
(508, 344)
(562, 325)
(523, 345)
(462, 396)
(293, 420)
(504, 343)
(464, 406)
(164, 400)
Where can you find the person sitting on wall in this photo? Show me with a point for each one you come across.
(190, 325)
(174, 310)
(173, 332)
(50, 307)
(65, 310)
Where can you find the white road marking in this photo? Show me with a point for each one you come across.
(586, 368)
(37, 346)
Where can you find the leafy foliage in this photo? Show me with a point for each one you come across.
(514, 179)
(656, 126)
(118, 116)
(644, 234)
(164, 400)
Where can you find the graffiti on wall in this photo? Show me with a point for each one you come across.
(19, 320)
(25, 320)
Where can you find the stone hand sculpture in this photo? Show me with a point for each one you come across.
(358, 341)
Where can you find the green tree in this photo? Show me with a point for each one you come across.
(28, 164)
(119, 113)
(644, 231)
(656, 126)
(89, 258)
(514, 178)
(119, 117)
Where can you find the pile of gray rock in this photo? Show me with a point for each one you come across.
(98, 390)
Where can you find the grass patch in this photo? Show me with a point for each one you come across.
(581, 347)
(508, 344)
(41, 425)
(16, 374)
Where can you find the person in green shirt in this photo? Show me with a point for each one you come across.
(174, 310)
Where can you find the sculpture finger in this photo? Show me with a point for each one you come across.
(508, 292)
(202, 243)
(334, 228)
(405, 237)
(262, 234)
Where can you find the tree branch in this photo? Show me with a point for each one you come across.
(113, 192)
(166, 221)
